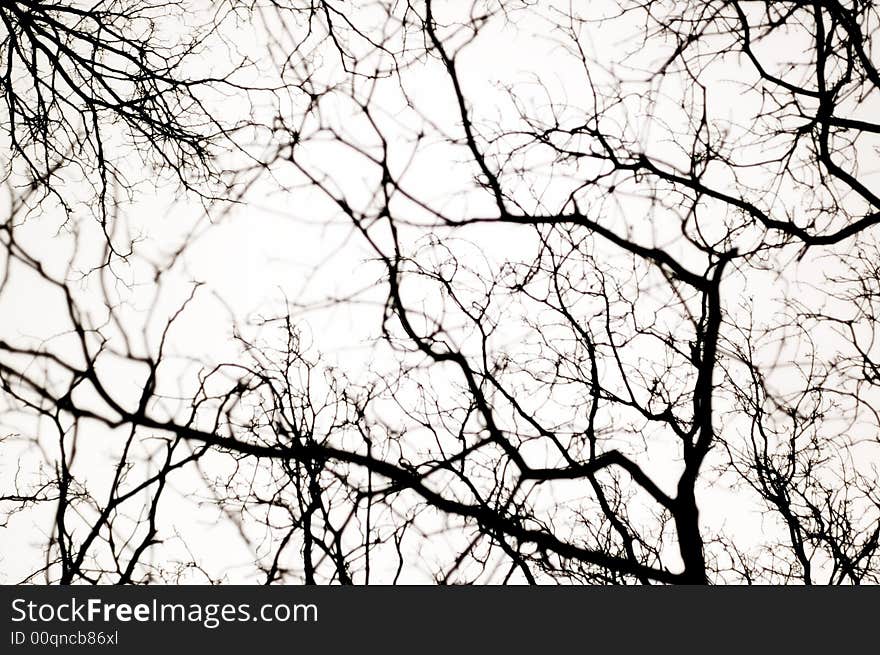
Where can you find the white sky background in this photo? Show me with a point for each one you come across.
(287, 241)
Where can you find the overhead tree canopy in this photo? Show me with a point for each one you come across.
(542, 292)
